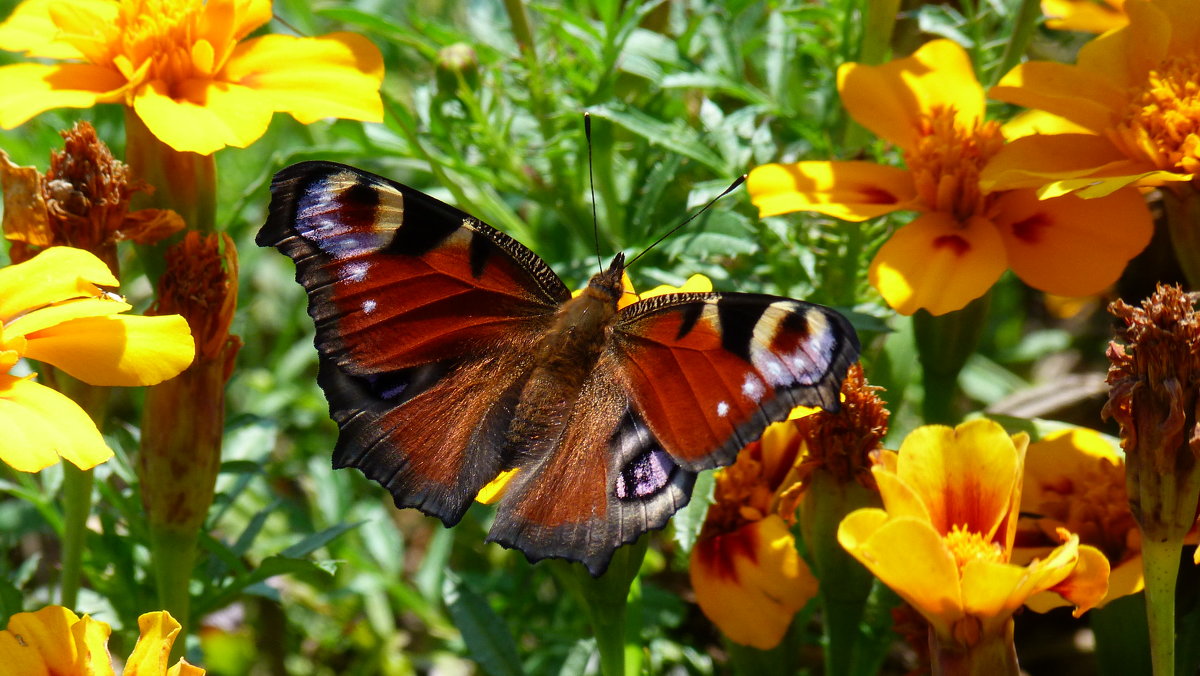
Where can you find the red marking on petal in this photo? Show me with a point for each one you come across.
(717, 554)
(957, 245)
(876, 195)
(1030, 229)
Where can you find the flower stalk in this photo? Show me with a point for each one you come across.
(1181, 204)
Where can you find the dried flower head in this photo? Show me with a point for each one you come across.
(201, 284)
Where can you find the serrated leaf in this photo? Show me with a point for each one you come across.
(486, 635)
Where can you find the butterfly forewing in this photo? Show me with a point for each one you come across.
(741, 362)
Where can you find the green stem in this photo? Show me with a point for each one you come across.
(1160, 562)
(993, 655)
(879, 23)
(943, 344)
(1182, 208)
(1023, 26)
(77, 506)
(609, 600)
(174, 556)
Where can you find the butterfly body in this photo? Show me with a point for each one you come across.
(450, 353)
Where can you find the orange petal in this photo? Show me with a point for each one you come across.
(1033, 122)
(1060, 456)
(150, 655)
(938, 264)
(1087, 584)
(1100, 235)
(1034, 161)
(751, 582)
(1127, 55)
(336, 75)
(27, 89)
(1087, 16)
(908, 556)
(91, 636)
(54, 641)
(892, 98)
(54, 275)
(116, 350)
(40, 424)
(851, 191)
(966, 476)
(1123, 580)
(207, 117)
(993, 591)
(1080, 96)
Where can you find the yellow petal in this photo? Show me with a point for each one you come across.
(1033, 122)
(91, 639)
(207, 117)
(495, 489)
(851, 191)
(27, 89)
(1034, 161)
(965, 475)
(992, 591)
(1100, 235)
(891, 99)
(1092, 186)
(1085, 98)
(695, 284)
(54, 275)
(912, 559)
(899, 499)
(336, 75)
(1061, 456)
(91, 27)
(117, 350)
(182, 668)
(150, 655)
(1126, 55)
(40, 424)
(1087, 584)
(30, 29)
(751, 582)
(54, 641)
(938, 264)
(1087, 16)
(54, 315)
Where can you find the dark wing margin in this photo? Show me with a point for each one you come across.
(425, 320)
(744, 361)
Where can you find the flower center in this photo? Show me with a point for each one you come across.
(968, 545)
(947, 159)
(1162, 122)
(1092, 504)
(164, 37)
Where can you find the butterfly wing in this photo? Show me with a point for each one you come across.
(425, 318)
(738, 362)
(606, 483)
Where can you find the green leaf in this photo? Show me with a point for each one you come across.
(317, 540)
(676, 137)
(688, 521)
(485, 634)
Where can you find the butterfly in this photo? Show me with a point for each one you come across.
(450, 353)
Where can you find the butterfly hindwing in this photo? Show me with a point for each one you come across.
(424, 318)
(741, 362)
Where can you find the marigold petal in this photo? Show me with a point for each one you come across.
(41, 424)
(336, 75)
(899, 499)
(27, 89)
(851, 191)
(1034, 161)
(153, 649)
(992, 591)
(1086, 16)
(30, 29)
(1123, 580)
(938, 264)
(752, 581)
(1087, 584)
(1059, 457)
(1033, 122)
(891, 98)
(1093, 187)
(697, 283)
(1101, 235)
(496, 488)
(966, 476)
(92, 27)
(1080, 96)
(117, 350)
(182, 668)
(908, 556)
(54, 315)
(1128, 54)
(54, 275)
(91, 637)
(46, 633)
(207, 117)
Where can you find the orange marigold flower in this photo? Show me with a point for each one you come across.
(944, 538)
(55, 308)
(184, 67)
(1088, 16)
(931, 106)
(1075, 480)
(55, 641)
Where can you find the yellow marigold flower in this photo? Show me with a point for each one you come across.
(55, 308)
(944, 538)
(748, 577)
(931, 106)
(183, 67)
(1133, 93)
(1088, 16)
(1075, 479)
(54, 641)
(492, 492)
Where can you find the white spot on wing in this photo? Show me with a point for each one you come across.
(753, 388)
(368, 306)
(722, 409)
(356, 271)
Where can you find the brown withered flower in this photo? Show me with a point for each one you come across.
(81, 201)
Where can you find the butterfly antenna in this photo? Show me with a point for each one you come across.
(587, 134)
(733, 186)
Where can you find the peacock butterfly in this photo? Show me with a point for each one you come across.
(449, 353)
